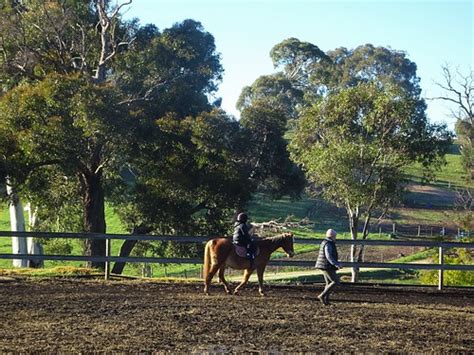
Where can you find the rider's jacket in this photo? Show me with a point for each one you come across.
(241, 234)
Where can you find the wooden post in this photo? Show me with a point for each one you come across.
(441, 268)
(107, 254)
(419, 230)
(394, 229)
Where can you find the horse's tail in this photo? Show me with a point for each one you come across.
(207, 260)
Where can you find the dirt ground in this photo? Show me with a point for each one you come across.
(77, 315)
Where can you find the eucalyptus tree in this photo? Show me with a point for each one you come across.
(355, 143)
(131, 70)
(264, 125)
(287, 88)
(313, 86)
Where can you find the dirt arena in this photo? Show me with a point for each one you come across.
(77, 315)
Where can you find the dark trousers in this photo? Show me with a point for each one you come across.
(332, 280)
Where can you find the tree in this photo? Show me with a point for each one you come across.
(354, 144)
(276, 89)
(143, 73)
(265, 151)
(287, 88)
(68, 123)
(297, 60)
(459, 90)
(366, 63)
(39, 38)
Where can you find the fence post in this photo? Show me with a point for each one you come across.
(394, 229)
(107, 262)
(419, 230)
(441, 268)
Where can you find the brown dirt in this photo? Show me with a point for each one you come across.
(52, 315)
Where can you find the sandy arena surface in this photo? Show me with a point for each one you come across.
(78, 315)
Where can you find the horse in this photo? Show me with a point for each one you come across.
(220, 252)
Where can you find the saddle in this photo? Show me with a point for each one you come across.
(242, 251)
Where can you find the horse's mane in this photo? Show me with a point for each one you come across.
(274, 239)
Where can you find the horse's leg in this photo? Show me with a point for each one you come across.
(247, 274)
(210, 275)
(260, 271)
(223, 280)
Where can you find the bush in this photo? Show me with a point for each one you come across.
(452, 277)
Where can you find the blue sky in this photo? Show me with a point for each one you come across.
(432, 33)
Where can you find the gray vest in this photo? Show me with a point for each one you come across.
(322, 262)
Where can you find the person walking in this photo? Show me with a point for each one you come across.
(328, 263)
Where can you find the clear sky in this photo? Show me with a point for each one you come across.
(432, 33)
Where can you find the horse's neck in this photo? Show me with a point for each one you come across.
(273, 243)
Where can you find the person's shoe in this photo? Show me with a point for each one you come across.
(323, 300)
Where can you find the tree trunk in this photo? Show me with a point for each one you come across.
(127, 248)
(94, 217)
(17, 224)
(34, 248)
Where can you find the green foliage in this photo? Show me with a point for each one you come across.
(189, 181)
(65, 127)
(176, 70)
(452, 277)
(41, 37)
(79, 118)
(451, 173)
(271, 169)
(276, 89)
(465, 132)
(297, 60)
(56, 246)
(354, 144)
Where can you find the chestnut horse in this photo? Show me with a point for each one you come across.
(220, 252)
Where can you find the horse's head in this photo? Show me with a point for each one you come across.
(287, 244)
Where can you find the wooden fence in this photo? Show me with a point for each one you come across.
(440, 266)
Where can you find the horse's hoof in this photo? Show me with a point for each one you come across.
(261, 293)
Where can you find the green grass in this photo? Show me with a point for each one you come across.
(262, 209)
(450, 174)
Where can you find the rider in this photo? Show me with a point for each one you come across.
(242, 236)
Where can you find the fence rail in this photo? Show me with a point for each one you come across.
(107, 259)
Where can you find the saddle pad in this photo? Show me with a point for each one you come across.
(242, 251)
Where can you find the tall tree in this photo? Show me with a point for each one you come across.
(354, 144)
(144, 73)
(69, 123)
(39, 38)
(265, 153)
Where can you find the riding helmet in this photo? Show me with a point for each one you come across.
(242, 217)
